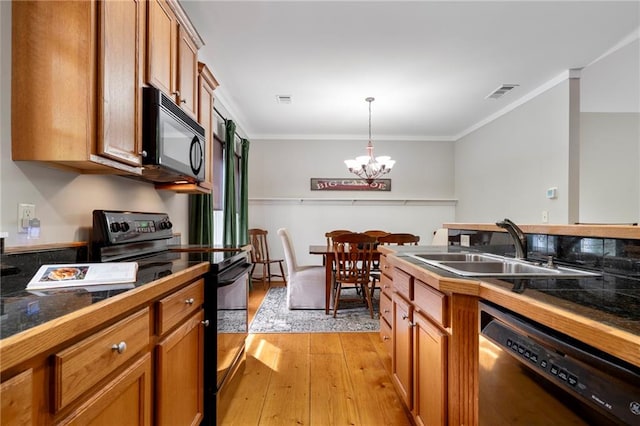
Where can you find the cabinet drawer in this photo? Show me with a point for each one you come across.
(403, 284)
(386, 285)
(386, 307)
(179, 305)
(430, 302)
(385, 267)
(78, 368)
(385, 336)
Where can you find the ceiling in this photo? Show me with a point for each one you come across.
(429, 65)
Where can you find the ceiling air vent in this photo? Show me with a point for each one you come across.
(283, 99)
(500, 91)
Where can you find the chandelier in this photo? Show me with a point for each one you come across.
(366, 166)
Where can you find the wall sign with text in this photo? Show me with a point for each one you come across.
(330, 184)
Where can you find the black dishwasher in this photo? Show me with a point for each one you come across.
(531, 374)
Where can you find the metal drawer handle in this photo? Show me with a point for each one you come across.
(385, 337)
(205, 323)
(405, 316)
(386, 311)
(120, 347)
(412, 324)
(189, 301)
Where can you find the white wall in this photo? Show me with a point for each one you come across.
(64, 200)
(610, 176)
(420, 200)
(610, 138)
(504, 168)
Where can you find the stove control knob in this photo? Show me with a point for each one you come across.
(115, 227)
(166, 225)
(124, 226)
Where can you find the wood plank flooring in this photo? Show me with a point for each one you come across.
(313, 379)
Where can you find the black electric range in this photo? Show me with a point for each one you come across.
(145, 238)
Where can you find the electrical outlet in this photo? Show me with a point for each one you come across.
(26, 212)
(545, 216)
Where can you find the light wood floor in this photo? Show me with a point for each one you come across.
(313, 379)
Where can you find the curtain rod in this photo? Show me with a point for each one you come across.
(225, 121)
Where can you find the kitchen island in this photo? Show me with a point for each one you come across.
(430, 318)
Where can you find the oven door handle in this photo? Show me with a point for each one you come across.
(238, 271)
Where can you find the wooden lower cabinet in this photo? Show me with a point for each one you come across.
(430, 372)
(143, 366)
(17, 394)
(126, 400)
(179, 374)
(402, 356)
(420, 349)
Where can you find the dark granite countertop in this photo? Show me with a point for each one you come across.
(21, 310)
(609, 299)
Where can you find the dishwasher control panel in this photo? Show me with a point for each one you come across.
(612, 389)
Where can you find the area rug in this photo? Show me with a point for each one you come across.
(274, 317)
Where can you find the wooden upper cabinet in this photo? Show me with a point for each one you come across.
(206, 85)
(119, 101)
(75, 85)
(187, 73)
(172, 54)
(161, 46)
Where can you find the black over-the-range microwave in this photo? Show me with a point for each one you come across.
(173, 143)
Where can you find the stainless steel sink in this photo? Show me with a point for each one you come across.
(490, 265)
(460, 257)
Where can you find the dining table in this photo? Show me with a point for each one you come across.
(329, 259)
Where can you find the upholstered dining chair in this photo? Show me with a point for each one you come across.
(353, 254)
(306, 289)
(260, 256)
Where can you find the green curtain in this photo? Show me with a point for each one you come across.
(201, 219)
(243, 234)
(229, 233)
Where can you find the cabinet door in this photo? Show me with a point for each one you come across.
(187, 73)
(206, 85)
(126, 400)
(430, 372)
(161, 46)
(119, 101)
(401, 358)
(17, 395)
(180, 374)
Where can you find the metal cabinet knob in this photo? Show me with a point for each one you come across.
(183, 101)
(205, 323)
(385, 338)
(120, 347)
(405, 316)
(176, 93)
(386, 311)
(189, 301)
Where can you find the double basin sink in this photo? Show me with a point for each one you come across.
(490, 265)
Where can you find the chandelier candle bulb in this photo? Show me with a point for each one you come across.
(367, 166)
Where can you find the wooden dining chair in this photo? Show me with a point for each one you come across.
(376, 233)
(400, 239)
(329, 236)
(260, 256)
(353, 254)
